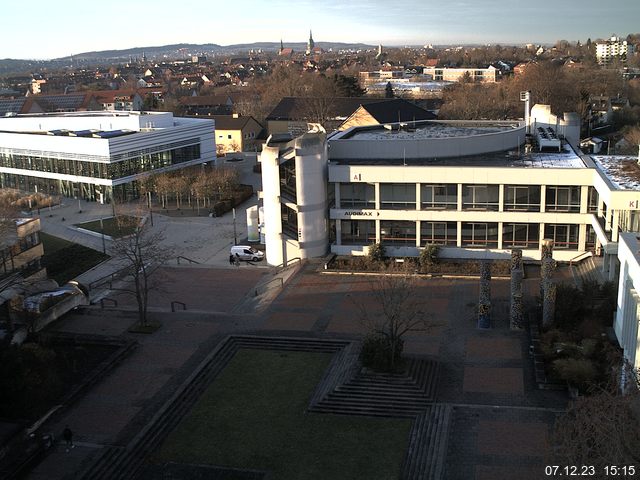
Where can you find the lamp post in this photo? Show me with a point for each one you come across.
(235, 234)
(150, 209)
(104, 247)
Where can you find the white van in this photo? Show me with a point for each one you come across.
(247, 252)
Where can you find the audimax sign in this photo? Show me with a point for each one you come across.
(361, 213)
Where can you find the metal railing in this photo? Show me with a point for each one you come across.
(107, 279)
(175, 302)
(580, 257)
(259, 289)
(179, 257)
(288, 263)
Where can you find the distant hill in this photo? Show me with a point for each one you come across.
(12, 66)
(177, 50)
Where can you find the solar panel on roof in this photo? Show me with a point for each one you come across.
(82, 133)
(112, 133)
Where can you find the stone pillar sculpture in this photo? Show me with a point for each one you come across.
(549, 304)
(516, 316)
(547, 287)
(484, 303)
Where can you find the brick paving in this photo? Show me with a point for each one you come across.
(493, 380)
(500, 421)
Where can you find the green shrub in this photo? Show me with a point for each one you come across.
(570, 307)
(376, 352)
(578, 372)
(429, 255)
(377, 252)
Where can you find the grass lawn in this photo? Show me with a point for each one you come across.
(115, 229)
(66, 260)
(253, 417)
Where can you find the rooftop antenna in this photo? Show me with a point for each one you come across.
(526, 98)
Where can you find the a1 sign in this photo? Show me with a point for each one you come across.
(357, 177)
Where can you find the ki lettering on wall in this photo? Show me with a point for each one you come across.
(633, 204)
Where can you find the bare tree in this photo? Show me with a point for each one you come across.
(602, 429)
(142, 252)
(399, 309)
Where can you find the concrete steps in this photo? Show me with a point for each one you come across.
(586, 271)
(381, 394)
(426, 455)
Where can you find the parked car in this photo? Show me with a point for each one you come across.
(247, 252)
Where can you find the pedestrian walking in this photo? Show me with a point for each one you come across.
(232, 259)
(67, 434)
(237, 260)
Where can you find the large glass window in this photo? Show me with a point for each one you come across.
(398, 196)
(562, 199)
(358, 232)
(439, 197)
(522, 198)
(289, 221)
(438, 233)
(565, 237)
(480, 234)
(592, 204)
(396, 232)
(480, 197)
(520, 235)
(288, 179)
(357, 195)
(591, 238)
(122, 165)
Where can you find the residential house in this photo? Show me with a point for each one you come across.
(206, 105)
(386, 111)
(21, 250)
(235, 133)
(293, 114)
(73, 102)
(601, 110)
(122, 100)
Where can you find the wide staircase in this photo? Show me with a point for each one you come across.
(426, 454)
(585, 271)
(405, 394)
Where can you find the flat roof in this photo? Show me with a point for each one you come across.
(622, 170)
(568, 158)
(428, 129)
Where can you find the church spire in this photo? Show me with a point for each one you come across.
(310, 43)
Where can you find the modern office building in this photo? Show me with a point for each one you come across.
(477, 189)
(98, 155)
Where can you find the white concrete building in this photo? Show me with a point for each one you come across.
(487, 75)
(98, 155)
(612, 49)
(628, 311)
(477, 189)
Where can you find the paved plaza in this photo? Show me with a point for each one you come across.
(500, 422)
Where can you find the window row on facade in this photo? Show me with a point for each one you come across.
(472, 234)
(111, 171)
(517, 198)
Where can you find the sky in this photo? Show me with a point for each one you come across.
(49, 29)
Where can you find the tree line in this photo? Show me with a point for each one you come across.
(203, 186)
